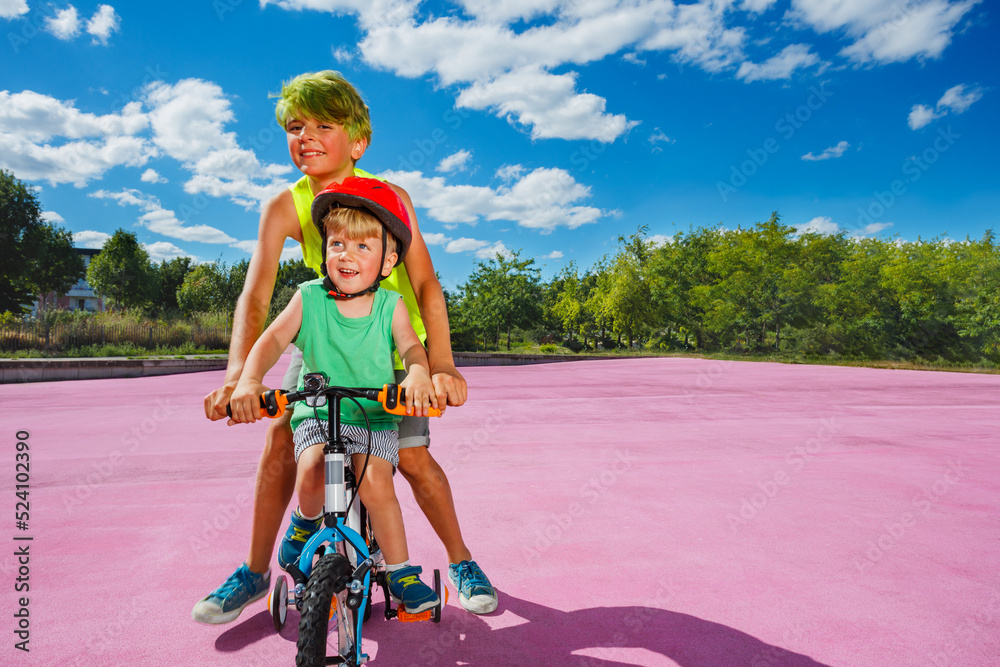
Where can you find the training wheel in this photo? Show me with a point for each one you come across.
(442, 592)
(277, 602)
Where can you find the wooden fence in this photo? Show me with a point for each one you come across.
(56, 337)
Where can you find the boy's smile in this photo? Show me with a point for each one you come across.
(322, 150)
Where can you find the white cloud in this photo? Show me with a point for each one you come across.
(920, 116)
(291, 252)
(498, 249)
(371, 12)
(509, 71)
(51, 216)
(820, 225)
(342, 54)
(875, 228)
(555, 254)
(658, 137)
(659, 240)
(42, 138)
(464, 245)
(152, 176)
(548, 104)
(542, 199)
(831, 152)
(163, 221)
(958, 99)
(781, 66)
(165, 251)
(11, 9)
(886, 31)
(509, 10)
(510, 172)
(188, 120)
(434, 238)
(455, 162)
(104, 22)
(64, 24)
(90, 239)
(518, 58)
(757, 6)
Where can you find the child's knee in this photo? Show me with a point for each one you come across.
(377, 486)
(312, 475)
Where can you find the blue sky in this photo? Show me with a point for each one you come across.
(545, 126)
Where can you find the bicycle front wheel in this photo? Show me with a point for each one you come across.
(323, 603)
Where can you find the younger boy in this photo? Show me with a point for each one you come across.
(348, 328)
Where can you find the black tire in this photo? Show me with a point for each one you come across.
(436, 616)
(325, 585)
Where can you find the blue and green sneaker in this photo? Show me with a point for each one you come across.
(475, 591)
(406, 588)
(298, 533)
(228, 600)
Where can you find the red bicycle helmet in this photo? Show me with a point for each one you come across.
(367, 194)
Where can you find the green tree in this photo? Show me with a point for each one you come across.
(169, 278)
(919, 277)
(20, 225)
(122, 272)
(200, 290)
(291, 274)
(56, 265)
(567, 306)
(212, 288)
(746, 301)
(976, 272)
(501, 294)
(626, 300)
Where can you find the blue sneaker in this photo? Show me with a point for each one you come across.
(406, 588)
(225, 604)
(475, 591)
(298, 533)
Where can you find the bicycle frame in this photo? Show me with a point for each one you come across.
(337, 529)
(341, 529)
(342, 521)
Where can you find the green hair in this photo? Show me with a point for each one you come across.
(325, 96)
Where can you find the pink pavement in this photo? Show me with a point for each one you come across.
(630, 512)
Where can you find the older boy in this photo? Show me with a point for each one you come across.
(328, 130)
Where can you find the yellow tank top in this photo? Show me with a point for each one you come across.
(312, 254)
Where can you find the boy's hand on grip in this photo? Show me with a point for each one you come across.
(244, 405)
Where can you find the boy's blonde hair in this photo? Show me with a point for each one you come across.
(325, 96)
(357, 224)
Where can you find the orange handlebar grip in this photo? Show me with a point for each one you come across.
(272, 403)
(385, 395)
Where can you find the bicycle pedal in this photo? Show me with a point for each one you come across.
(406, 617)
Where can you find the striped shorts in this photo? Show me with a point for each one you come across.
(385, 444)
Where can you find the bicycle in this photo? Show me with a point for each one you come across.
(337, 588)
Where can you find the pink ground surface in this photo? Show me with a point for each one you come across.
(633, 512)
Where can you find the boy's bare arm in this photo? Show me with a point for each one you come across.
(418, 384)
(278, 221)
(263, 356)
(449, 385)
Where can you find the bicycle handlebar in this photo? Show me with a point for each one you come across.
(392, 397)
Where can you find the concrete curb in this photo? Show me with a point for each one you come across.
(49, 370)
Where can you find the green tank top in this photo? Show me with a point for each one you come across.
(312, 254)
(352, 351)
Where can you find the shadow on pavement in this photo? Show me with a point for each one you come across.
(534, 634)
